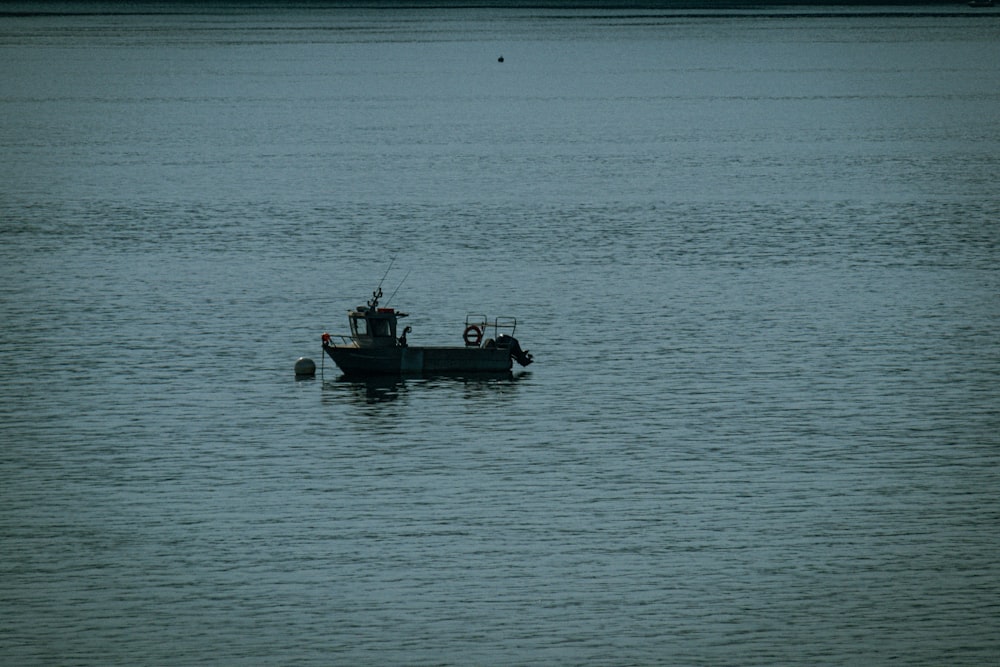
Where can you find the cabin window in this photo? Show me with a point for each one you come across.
(380, 328)
(360, 326)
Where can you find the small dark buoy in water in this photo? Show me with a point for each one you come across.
(305, 367)
(500, 59)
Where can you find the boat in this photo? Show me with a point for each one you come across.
(373, 347)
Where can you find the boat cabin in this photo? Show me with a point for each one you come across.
(375, 327)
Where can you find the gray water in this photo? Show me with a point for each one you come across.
(755, 255)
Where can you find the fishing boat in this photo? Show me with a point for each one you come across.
(373, 347)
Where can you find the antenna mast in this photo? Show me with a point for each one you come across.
(377, 294)
(398, 286)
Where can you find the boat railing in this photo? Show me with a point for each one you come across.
(507, 324)
(344, 339)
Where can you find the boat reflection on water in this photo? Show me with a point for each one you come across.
(383, 389)
(375, 389)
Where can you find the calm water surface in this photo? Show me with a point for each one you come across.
(756, 256)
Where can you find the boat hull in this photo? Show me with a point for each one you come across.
(360, 361)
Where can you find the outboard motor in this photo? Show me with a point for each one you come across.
(522, 357)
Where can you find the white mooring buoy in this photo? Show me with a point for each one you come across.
(305, 367)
